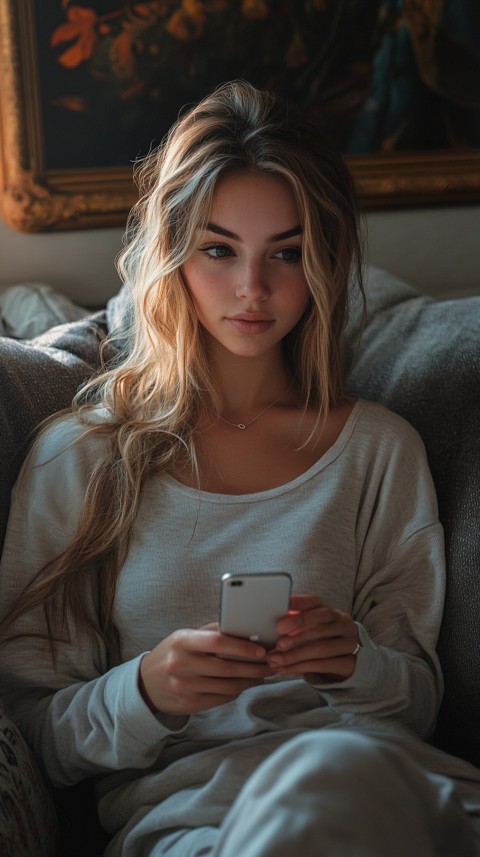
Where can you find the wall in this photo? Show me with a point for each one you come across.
(437, 250)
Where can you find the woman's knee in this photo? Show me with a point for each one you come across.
(334, 753)
(352, 790)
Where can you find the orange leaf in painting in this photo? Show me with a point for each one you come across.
(81, 26)
(132, 91)
(121, 55)
(188, 22)
(142, 10)
(77, 103)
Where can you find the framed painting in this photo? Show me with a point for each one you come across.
(87, 87)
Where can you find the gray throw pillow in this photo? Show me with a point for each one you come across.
(37, 378)
(421, 358)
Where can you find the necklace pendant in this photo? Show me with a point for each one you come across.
(241, 426)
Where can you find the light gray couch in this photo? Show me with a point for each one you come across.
(419, 357)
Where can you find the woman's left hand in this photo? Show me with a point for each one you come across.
(316, 641)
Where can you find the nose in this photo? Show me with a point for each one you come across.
(252, 282)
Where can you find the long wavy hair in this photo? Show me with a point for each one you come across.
(153, 394)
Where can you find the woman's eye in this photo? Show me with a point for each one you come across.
(217, 251)
(289, 254)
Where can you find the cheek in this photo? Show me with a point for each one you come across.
(300, 306)
(204, 291)
(189, 275)
(300, 299)
(195, 282)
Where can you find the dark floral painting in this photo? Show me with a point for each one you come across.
(382, 75)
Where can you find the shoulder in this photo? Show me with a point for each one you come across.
(392, 460)
(68, 437)
(60, 462)
(389, 450)
(385, 429)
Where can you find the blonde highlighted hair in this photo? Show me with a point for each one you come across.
(152, 396)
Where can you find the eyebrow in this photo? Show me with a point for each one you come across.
(272, 239)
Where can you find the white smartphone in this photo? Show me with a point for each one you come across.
(252, 604)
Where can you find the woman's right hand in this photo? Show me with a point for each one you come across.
(189, 670)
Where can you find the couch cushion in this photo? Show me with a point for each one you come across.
(421, 358)
(38, 377)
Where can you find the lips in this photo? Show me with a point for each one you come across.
(250, 316)
(251, 322)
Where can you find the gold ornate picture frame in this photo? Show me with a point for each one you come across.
(36, 197)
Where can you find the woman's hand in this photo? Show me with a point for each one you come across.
(182, 676)
(316, 642)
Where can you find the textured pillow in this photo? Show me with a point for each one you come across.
(421, 358)
(28, 826)
(37, 378)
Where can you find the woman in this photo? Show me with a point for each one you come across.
(223, 441)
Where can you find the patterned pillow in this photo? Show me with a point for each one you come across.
(28, 826)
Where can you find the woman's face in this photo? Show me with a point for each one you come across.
(245, 276)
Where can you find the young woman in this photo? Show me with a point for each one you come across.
(223, 441)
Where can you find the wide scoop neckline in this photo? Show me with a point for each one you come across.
(327, 458)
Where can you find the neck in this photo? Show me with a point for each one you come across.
(245, 385)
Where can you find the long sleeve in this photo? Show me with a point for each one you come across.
(399, 591)
(397, 673)
(80, 718)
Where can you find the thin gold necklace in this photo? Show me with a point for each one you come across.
(243, 426)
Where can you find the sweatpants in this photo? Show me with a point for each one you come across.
(335, 793)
